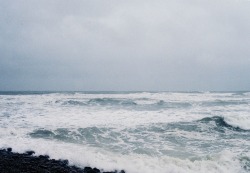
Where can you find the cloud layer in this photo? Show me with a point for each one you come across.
(125, 45)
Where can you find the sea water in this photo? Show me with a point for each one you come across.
(139, 132)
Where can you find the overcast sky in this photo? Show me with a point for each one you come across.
(125, 45)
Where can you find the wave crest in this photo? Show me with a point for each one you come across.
(221, 123)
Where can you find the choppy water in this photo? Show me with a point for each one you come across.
(140, 132)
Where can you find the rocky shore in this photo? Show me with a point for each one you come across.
(11, 162)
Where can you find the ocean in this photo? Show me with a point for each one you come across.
(139, 132)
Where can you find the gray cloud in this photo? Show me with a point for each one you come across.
(125, 45)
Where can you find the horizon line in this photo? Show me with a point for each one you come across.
(124, 90)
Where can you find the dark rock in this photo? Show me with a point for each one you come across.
(27, 163)
(43, 166)
(91, 170)
(96, 170)
(44, 157)
(64, 162)
(30, 152)
(87, 169)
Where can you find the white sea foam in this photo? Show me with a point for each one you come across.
(242, 121)
(30, 107)
(223, 162)
(159, 133)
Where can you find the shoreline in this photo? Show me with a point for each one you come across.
(11, 162)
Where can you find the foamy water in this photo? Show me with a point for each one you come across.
(135, 131)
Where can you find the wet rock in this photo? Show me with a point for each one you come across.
(30, 152)
(11, 162)
(44, 157)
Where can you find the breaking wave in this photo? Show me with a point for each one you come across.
(220, 123)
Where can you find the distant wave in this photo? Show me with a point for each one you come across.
(111, 101)
(223, 102)
(74, 102)
(144, 104)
